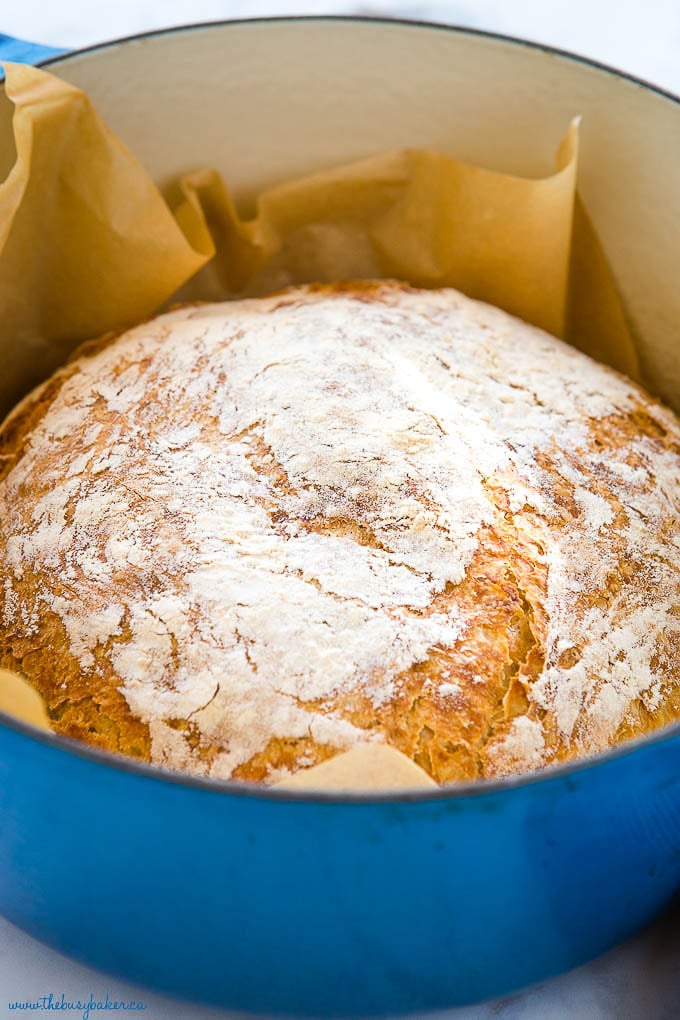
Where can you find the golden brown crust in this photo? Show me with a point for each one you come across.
(487, 703)
(82, 705)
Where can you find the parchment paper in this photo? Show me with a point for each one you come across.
(89, 245)
(19, 699)
(364, 767)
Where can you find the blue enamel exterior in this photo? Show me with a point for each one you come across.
(282, 904)
(279, 904)
(22, 52)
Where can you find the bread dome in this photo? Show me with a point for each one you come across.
(243, 537)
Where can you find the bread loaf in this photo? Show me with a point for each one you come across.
(243, 537)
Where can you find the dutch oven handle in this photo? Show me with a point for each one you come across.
(22, 52)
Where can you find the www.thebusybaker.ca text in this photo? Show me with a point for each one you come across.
(85, 1007)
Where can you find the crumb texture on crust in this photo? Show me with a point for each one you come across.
(245, 536)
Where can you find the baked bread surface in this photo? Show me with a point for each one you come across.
(242, 537)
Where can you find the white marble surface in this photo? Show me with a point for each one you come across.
(641, 980)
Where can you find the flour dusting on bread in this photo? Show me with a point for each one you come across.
(242, 537)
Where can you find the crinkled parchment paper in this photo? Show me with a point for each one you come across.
(88, 244)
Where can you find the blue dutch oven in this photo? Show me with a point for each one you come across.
(310, 904)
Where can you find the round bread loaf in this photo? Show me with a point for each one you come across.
(243, 537)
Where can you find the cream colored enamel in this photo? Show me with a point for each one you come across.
(485, 100)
